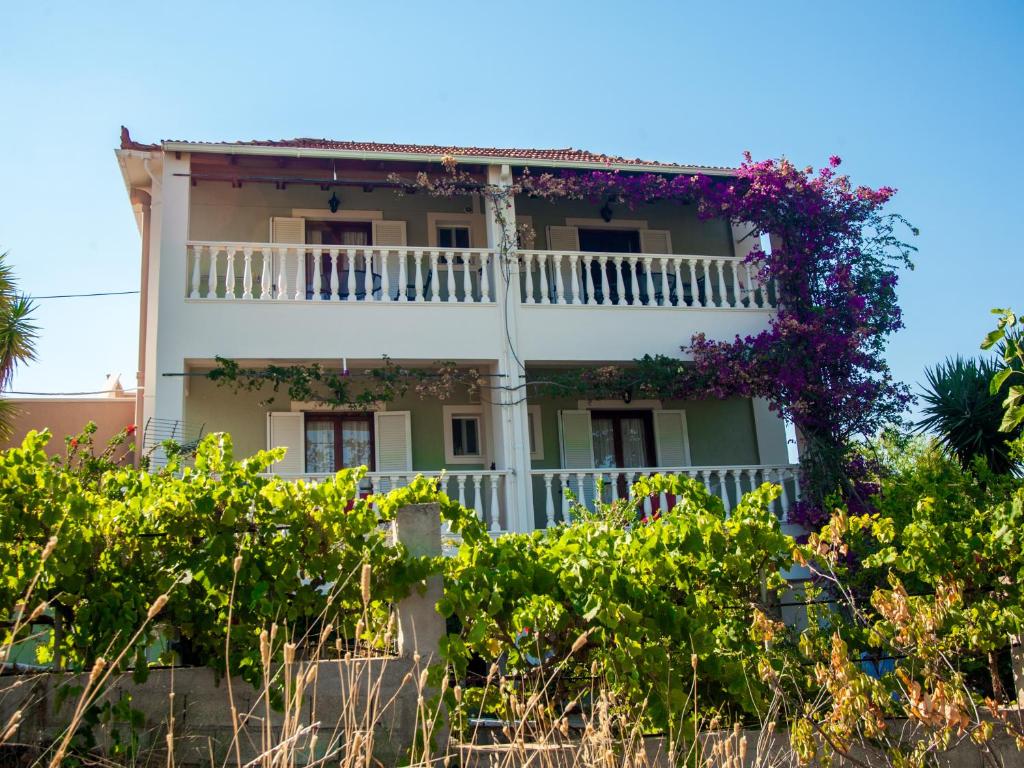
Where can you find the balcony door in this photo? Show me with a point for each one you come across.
(338, 441)
(328, 233)
(599, 240)
(622, 439)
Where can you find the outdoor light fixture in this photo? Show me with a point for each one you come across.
(606, 211)
(334, 202)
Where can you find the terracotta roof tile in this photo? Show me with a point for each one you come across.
(565, 155)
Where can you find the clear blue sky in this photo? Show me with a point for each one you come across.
(926, 97)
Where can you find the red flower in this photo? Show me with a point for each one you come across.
(74, 442)
(130, 429)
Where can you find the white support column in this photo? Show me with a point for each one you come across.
(510, 422)
(165, 395)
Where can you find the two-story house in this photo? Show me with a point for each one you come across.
(301, 251)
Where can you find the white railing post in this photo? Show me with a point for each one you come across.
(556, 266)
(335, 283)
(247, 273)
(385, 274)
(694, 288)
(486, 259)
(493, 481)
(403, 275)
(450, 259)
(528, 278)
(196, 254)
(478, 505)
(549, 502)
(317, 275)
(282, 273)
(606, 298)
(545, 297)
(211, 279)
(435, 280)
(648, 265)
(300, 273)
(417, 262)
(575, 279)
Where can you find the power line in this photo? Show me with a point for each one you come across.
(83, 295)
(44, 394)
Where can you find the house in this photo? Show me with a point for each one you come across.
(303, 251)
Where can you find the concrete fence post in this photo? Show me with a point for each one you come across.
(420, 626)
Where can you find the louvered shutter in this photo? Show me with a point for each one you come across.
(655, 241)
(389, 233)
(285, 229)
(392, 445)
(563, 238)
(286, 429)
(670, 438)
(576, 437)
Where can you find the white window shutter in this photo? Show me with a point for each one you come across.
(286, 229)
(563, 238)
(393, 441)
(742, 241)
(670, 438)
(655, 241)
(577, 439)
(287, 429)
(388, 232)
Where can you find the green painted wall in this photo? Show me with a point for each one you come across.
(244, 416)
(220, 212)
(690, 235)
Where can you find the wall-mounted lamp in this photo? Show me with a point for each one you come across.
(606, 211)
(334, 202)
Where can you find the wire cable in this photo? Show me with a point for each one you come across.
(83, 295)
(64, 394)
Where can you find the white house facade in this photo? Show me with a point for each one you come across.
(303, 251)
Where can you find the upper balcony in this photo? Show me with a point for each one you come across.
(260, 244)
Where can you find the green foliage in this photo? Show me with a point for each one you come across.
(966, 414)
(645, 606)
(230, 548)
(18, 334)
(1008, 336)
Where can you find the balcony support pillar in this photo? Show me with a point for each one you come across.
(511, 426)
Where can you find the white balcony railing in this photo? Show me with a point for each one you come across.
(483, 491)
(276, 272)
(402, 274)
(729, 483)
(633, 279)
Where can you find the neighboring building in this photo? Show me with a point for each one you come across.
(111, 411)
(301, 251)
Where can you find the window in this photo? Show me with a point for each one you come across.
(352, 233)
(452, 236)
(622, 438)
(464, 441)
(533, 424)
(466, 436)
(338, 441)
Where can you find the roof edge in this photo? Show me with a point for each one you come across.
(277, 151)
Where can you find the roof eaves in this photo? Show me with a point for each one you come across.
(313, 152)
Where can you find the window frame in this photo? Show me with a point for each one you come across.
(338, 418)
(535, 419)
(452, 412)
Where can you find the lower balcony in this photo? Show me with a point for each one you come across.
(587, 449)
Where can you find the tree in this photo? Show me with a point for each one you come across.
(17, 336)
(965, 413)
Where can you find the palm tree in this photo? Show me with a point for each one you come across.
(17, 336)
(963, 413)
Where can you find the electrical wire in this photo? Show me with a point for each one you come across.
(83, 295)
(64, 394)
